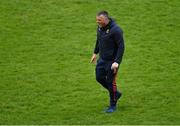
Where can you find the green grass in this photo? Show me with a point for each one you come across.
(46, 77)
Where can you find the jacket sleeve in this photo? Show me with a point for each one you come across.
(118, 38)
(96, 49)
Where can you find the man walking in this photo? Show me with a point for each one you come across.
(110, 46)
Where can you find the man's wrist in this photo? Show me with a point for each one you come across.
(116, 62)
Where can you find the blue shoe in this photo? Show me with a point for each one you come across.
(111, 109)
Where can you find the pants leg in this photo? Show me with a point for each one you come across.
(106, 77)
(101, 74)
(111, 80)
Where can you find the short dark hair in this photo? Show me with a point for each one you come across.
(104, 13)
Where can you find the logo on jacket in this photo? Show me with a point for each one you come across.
(107, 31)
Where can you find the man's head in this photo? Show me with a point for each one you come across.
(102, 18)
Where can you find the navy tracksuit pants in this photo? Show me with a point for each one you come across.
(106, 77)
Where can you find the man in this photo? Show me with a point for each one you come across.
(110, 46)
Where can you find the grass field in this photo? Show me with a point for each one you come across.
(46, 77)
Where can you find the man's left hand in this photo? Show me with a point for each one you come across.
(115, 67)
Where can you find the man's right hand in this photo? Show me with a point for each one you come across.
(93, 58)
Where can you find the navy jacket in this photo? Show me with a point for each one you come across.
(110, 42)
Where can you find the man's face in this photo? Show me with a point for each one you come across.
(101, 20)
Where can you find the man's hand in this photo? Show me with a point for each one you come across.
(115, 67)
(93, 58)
